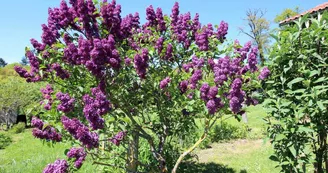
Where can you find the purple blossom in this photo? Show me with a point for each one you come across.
(95, 107)
(60, 72)
(66, 102)
(127, 61)
(198, 62)
(80, 132)
(196, 76)
(213, 105)
(37, 123)
(188, 66)
(264, 73)
(222, 31)
(183, 86)
(202, 39)
(164, 83)
(204, 91)
(169, 52)
(159, 45)
(175, 15)
(59, 166)
(236, 96)
(160, 20)
(118, 138)
(48, 133)
(213, 91)
(252, 60)
(46, 93)
(141, 63)
(38, 46)
(151, 16)
(78, 154)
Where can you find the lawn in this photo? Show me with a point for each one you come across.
(29, 155)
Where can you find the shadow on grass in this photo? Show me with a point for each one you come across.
(194, 167)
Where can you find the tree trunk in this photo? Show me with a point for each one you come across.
(187, 152)
(132, 160)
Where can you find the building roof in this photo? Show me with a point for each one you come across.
(311, 11)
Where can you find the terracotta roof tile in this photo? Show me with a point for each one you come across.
(315, 9)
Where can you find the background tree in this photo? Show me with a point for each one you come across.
(287, 13)
(258, 30)
(2, 62)
(24, 61)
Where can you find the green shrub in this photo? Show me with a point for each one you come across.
(225, 131)
(18, 128)
(5, 140)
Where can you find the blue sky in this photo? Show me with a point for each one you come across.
(21, 20)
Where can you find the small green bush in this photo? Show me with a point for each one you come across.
(5, 140)
(225, 131)
(18, 128)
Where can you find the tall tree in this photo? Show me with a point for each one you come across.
(258, 30)
(287, 13)
(2, 62)
(24, 61)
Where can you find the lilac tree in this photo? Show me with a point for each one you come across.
(119, 80)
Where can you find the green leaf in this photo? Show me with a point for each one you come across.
(305, 129)
(274, 158)
(320, 104)
(280, 137)
(292, 150)
(320, 80)
(296, 80)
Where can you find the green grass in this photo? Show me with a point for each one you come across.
(28, 155)
(240, 156)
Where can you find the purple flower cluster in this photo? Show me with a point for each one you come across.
(110, 12)
(141, 63)
(31, 76)
(264, 73)
(183, 86)
(236, 96)
(78, 154)
(164, 83)
(208, 94)
(59, 166)
(118, 138)
(195, 77)
(95, 107)
(202, 39)
(48, 133)
(80, 132)
(222, 31)
(46, 93)
(66, 102)
(222, 70)
(159, 45)
(214, 105)
(37, 123)
(252, 60)
(60, 72)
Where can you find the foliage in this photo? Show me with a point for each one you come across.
(2, 62)
(16, 96)
(287, 13)
(18, 128)
(24, 61)
(258, 30)
(5, 140)
(298, 96)
(114, 83)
